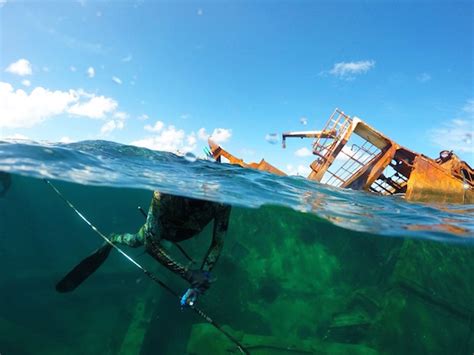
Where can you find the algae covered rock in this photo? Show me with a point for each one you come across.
(440, 273)
(429, 308)
(205, 339)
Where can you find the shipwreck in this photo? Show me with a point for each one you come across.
(349, 153)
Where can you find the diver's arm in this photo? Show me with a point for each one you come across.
(155, 206)
(153, 245)
(221, 224)
(149, 228)
(156, 250)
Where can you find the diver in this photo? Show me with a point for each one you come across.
(5, 182)
(173, 218)
(170, 218)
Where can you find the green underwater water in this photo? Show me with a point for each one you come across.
(287, 283)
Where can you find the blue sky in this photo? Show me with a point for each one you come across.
(168, 74)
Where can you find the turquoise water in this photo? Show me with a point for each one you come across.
(306, 268)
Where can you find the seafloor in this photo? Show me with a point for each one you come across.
(287, 283)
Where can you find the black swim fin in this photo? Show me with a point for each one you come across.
(84, 269)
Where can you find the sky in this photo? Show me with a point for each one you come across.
(168, 74)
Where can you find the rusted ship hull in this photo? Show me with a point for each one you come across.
(351, 154)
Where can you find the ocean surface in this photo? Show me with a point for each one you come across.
(305, 269)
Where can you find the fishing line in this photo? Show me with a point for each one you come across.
(146, 272)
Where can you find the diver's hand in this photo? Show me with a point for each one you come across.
(189, 298)
(200, 280)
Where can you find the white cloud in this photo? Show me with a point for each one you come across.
(16, 136)
(111, 125)
(90, 72)
(143, 117)
(304, 121)
(73, 68)
(66, 140)
(117, 123)
(221, 135)
(457, 134)
(96, 107)
(301, 170)
(21, 67)
(116, 80)
(108, 127)
(21, 109)
(202, 134)
(347, 70)
(170, 139)
(423, 77)
(127, 59)
(158, 126)
(26, 83)
(191, 139)
(2, 3)
(121, 115)
(303, 152)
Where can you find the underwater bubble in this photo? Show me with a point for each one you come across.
(190, 157)
(304, 121)
(272, 138)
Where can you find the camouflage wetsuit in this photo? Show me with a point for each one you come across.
(176, 219)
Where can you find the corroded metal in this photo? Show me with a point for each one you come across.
(430, 180)
(218, 152)
(351, 154)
